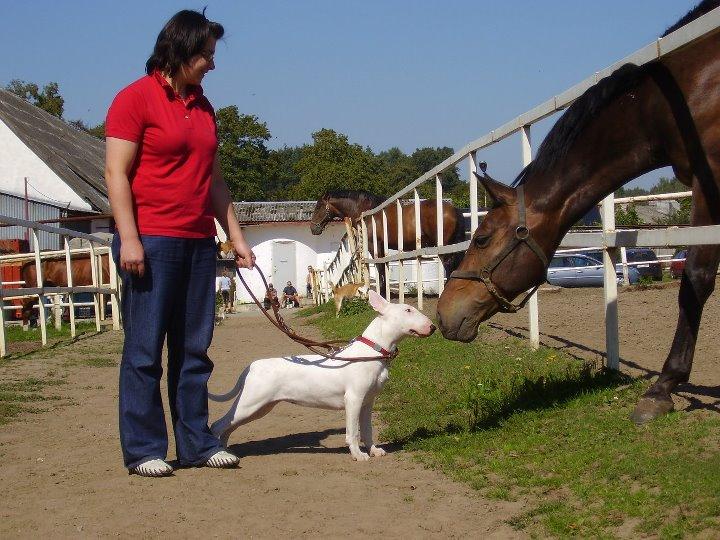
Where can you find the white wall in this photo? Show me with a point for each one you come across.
(17, 161)
(310, 250)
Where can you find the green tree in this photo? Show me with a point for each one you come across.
(668, 185)
(631, 192)
(681, 216)
(424, 159)
(627, 217)
(49, 99)
(332, 162)
(242, 153)
(98, 131)
(281, 176)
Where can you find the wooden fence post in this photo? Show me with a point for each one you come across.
(39, 280)
(418, 245)
(439, 219)
(533, 318)
(71, 300)
(400, 244)
(612, 341)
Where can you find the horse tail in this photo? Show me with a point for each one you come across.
(236, 390)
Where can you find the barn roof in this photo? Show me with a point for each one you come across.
(276, 211)
(76, 157)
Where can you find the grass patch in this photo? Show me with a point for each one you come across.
(542, 426)
(15, 333)
(101, 362)
(14, 394)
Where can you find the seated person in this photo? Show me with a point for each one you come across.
(290, 293)
(270, 297)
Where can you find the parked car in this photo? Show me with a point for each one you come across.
(648, 266)
(578, 270)
(677, 264)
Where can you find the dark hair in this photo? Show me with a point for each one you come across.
(183, 36)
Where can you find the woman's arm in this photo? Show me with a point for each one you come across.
(119, 158)
(225, 214)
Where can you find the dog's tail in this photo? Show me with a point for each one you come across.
(236, 391)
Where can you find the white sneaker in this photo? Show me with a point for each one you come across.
(222, 460)
(153, 468)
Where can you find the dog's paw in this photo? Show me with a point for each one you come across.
(376, 451)
(361, 456)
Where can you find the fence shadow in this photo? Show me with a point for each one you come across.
(567, 346)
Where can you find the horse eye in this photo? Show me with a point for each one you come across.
(481, 241)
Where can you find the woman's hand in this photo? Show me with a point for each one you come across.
(132, 257)
(244, 256)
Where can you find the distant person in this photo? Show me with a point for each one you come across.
(290, 293)
(308, 283)
(270, 297)
(166, 189)
(225, 284)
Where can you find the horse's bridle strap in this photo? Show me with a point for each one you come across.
(522, 235)
(328, 216)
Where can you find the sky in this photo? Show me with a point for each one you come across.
(385, 73)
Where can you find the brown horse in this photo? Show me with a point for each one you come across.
(351, 203)
(638, 119)
(54, 274)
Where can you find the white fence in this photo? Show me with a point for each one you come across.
(97, 248)
(609, 239)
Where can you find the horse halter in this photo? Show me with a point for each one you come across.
(522, 235)
(327, 217)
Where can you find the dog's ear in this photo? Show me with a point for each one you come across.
(377, 302)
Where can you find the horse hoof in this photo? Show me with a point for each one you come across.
(648, 409)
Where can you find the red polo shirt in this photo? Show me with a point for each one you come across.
(172, 173)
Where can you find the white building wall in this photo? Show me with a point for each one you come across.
(310, 250)
(17, 161)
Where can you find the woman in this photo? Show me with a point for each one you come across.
(165, 188)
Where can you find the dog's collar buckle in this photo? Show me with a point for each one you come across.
(377, 347)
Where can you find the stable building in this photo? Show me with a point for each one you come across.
(279, 234)
(48, 170)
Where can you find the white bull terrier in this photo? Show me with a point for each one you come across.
(314, 381)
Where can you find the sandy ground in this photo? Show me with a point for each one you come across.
(62, 474)
(573, 320)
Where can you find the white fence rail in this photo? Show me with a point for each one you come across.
(609, 238)
(96, 250)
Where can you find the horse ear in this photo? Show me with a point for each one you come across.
(498, 192)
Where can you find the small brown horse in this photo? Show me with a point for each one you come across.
(54, 274)
(636, 120)
(351, 203)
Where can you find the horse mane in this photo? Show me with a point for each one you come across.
(588, 106)
(701, 9)
(359, 195)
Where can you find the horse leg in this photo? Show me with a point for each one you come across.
(696, 285)
(381, 278)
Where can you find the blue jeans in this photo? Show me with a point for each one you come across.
(174, 299)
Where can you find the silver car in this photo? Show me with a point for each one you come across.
(576, 270)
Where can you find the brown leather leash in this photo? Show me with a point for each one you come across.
(326, 349)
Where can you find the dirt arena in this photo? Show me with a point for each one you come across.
(62, 473)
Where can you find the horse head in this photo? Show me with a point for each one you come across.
(502, 261)
(325, 211)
